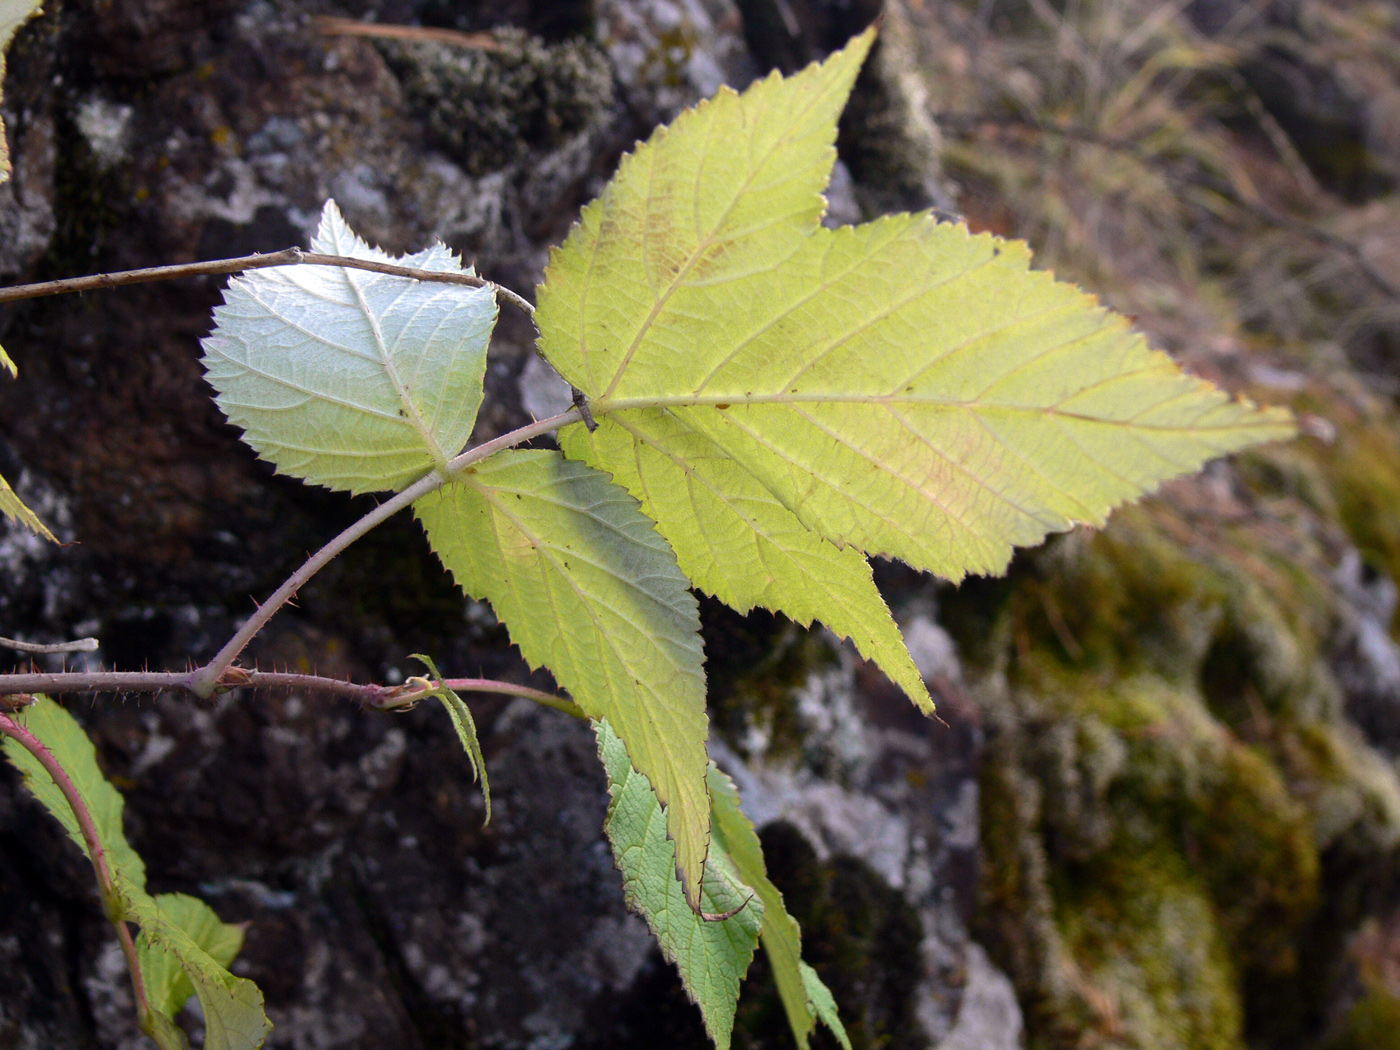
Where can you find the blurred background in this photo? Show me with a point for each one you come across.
(1164, 810)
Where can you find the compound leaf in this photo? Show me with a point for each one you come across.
(901, 388)
(353, 380)
(13, 14)
(712, 954)
(589, 589)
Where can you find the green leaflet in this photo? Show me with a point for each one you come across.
(62, 735)
(168, 986)
(13, 507)
(821, 1002)
(233, 1006)
(183, 948)
(465, 726)
(13, 14)
(781, 937)
(712, 956)
(901, 388)
(349, 379)
(736, 541)
(588, 589)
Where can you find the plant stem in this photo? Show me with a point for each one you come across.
(286, 257)
(96, 853)
(206, 679)
(379, 697)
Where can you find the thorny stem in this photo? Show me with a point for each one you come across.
(219, 673)
(205, 680)
(286, 257)
(378, 697)
(96, 853)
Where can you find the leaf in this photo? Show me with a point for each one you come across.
(712, 956)
(588, 589)
(900, 388)
(824, 1005)
(167, 985)
(14, 508)
(5, 362)
(353, 380)
(176, 931)
(781, 937)
(736, 541)
(60, 733)
(465, 725)
(233, 1006)
(13, 14)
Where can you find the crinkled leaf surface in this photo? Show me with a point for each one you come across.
(901, 388)
(712, 956)
(589, 589)
(13, 14)
(780, 936)
(349, 379)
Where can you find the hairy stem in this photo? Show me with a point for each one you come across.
(379, 697)
(286, 257)
(96, 853)
(205, 680)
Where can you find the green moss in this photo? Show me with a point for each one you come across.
(488, 109)
(1155, 969)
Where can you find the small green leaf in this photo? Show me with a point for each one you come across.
(781, 937)
(824, 1005)
(712, 955)
(5, 362)
(233, 1006)
(167, 984)
(13, 507)
(590, 590)
(349, 379)
(60, 733)
(13, 14)
(465, 725)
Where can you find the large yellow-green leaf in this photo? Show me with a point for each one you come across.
(711, 953)
(589, 589)
(13, 14)
(903, 388)
(349, 379)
